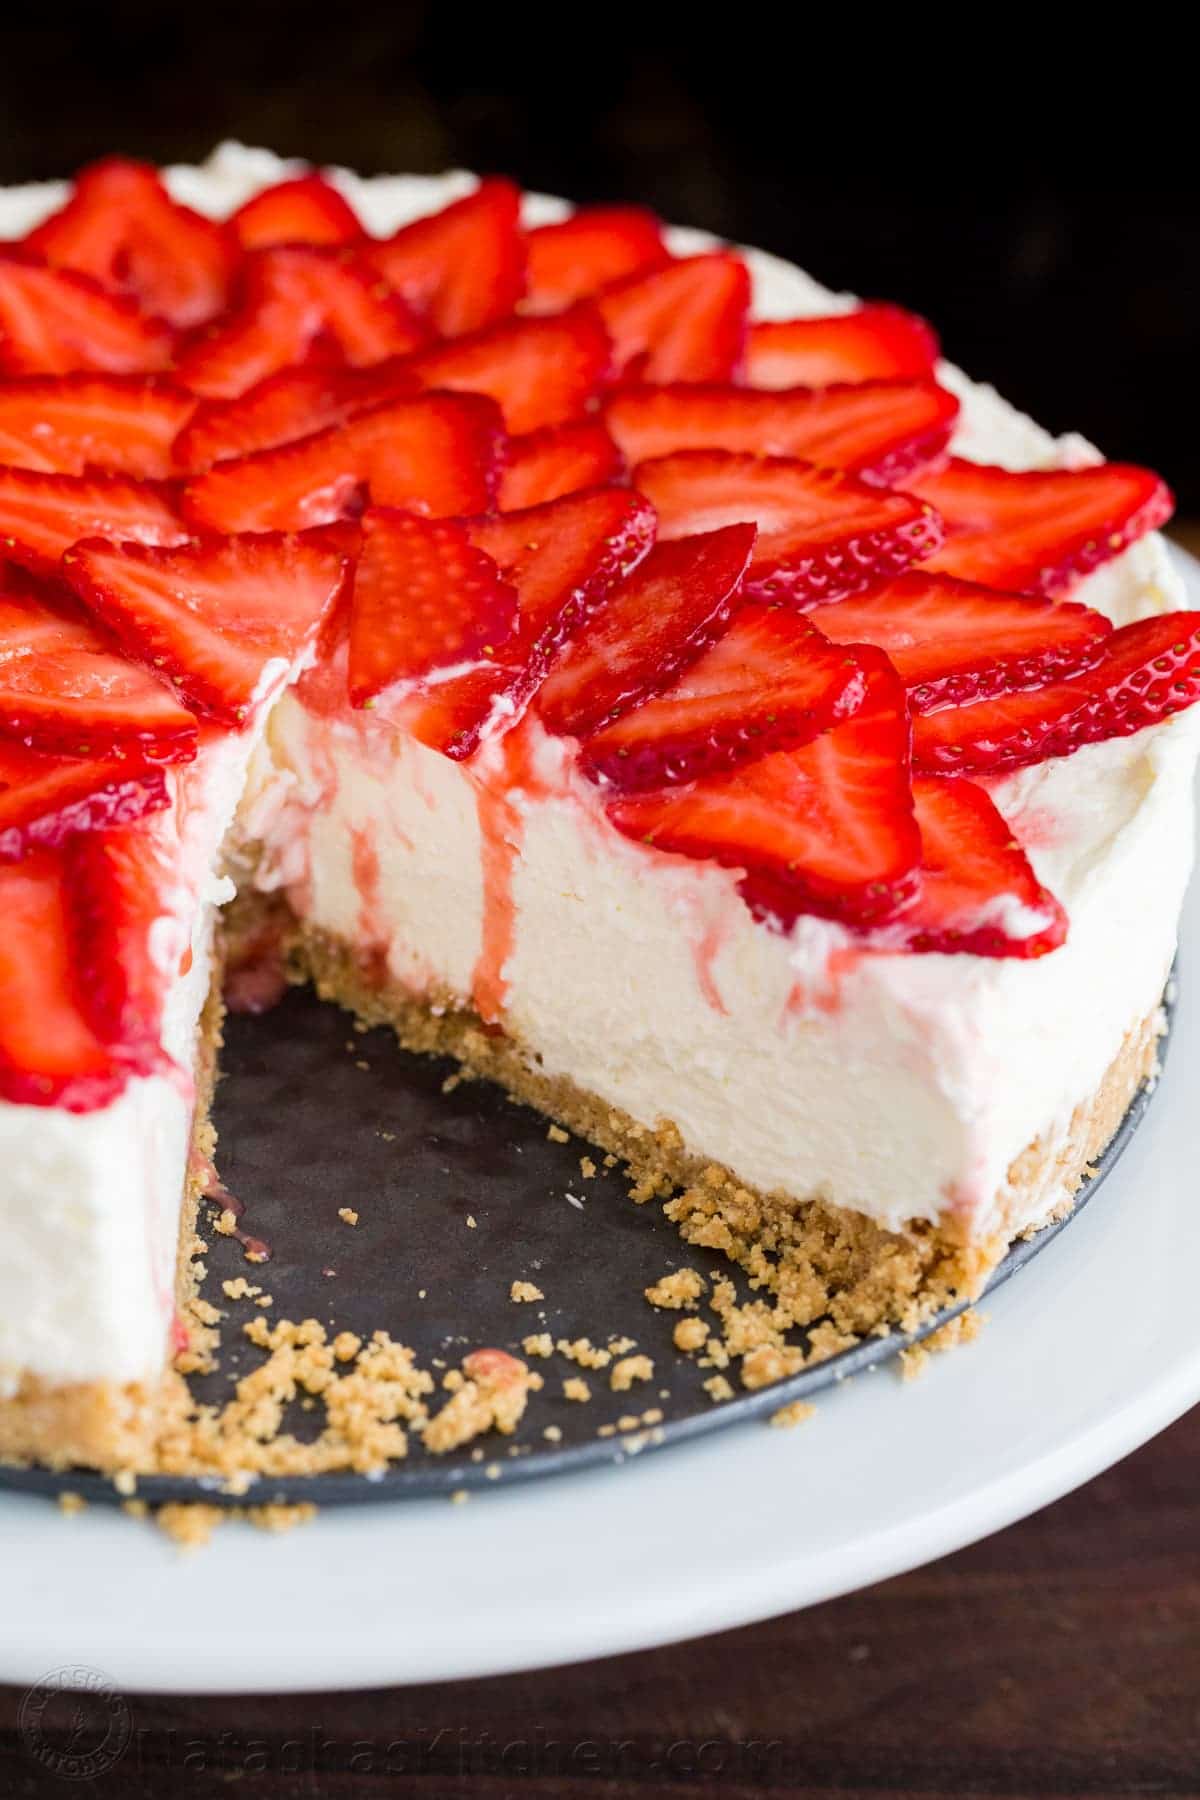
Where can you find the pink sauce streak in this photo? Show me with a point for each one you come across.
(212, 1188)
(502, 831)
(705, 953)
(364, 864)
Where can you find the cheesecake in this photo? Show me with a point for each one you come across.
(606, 657)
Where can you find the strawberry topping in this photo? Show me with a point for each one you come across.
(1041, 530)
(685, 322)
(821, 534)
(559, 459)
(437, 455)
(770, 682)
(827, 828)
(119, 889)
(883, 430)
(68, 424)
(872, 343)
(306, 209)
(121, 227)
(649, 627)
(43, 515)
(46, 799)
(539, 371)
(596, 246)
(953, 641)
(54, 320)
(214, 615)
(461, 268)
(283, 407)
(1145, 672)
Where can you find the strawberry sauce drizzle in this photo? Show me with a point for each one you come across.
(501, 832)
(213, 1188)
(364, 865)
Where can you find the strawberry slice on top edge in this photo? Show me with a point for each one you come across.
(771, 681)
(1040, 530)
(119, 888)
(46, 799)
(648, 628)
(121, 227)
(596, 246)
(954, 641)
(976, 889)
(559, 459)
(303, 209)
(1144, 673)
(883, 431)
(291, 404)
(461, 268)
(217, 617)
(683, 322)
(68, 424)
(43, 515)
(300, 301)
(53, 321)
(540, 371)
(434, 454)
(822, 534)
(871, 343)
(827, 828)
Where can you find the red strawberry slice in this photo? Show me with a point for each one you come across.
(686, 322)
(300, 300)
(289, 405)
(121, 227)
(977, 892)
(596, 246)
(49, 1053)
(43, 515)
(118, 891)
(562, 559)
(539, 371)
(64, 688)
(214, 615)
(770, 682)
(1145, 672)
(305, 209)
(953, 641)
(872, 343)
(827, 828)
(461, 268)
(53, 321)
(821, 534)
(425, 599)
(1040, 530)
(46, 799)
(881, 430)
(67, 424)
(437, 454)
(559, 459)
(650, 626)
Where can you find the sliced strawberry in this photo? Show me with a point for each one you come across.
(214, 615)
(953, 641)
(118, 893)
(596, 246)
(425, 599)
(289, 405)
(53, 321)
(1040, 530)
(121, 227)
(461, 268)
(49, 1054)
(1145, 672)
(437, 455)
(46, 799)
(64, 688)
(770, 682)
(67, 424)
(305, 209)
(976, 892)
(872, 343)
(559, 459)
(43, 515)
(821, 534)
(827, 828)
(882, 430)
(650, 626)
(685, 322)
(300, 300)
(539, 371)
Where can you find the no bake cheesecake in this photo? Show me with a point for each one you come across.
(604, 655)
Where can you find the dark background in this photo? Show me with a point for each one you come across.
(1028, 180)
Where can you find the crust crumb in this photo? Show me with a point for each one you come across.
(347, 1215)
(629, 1370)
(963, 1329)
(682, 1288)
(492, 1397)
(576, 1388)
(794, 1414)
(525, 1292)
